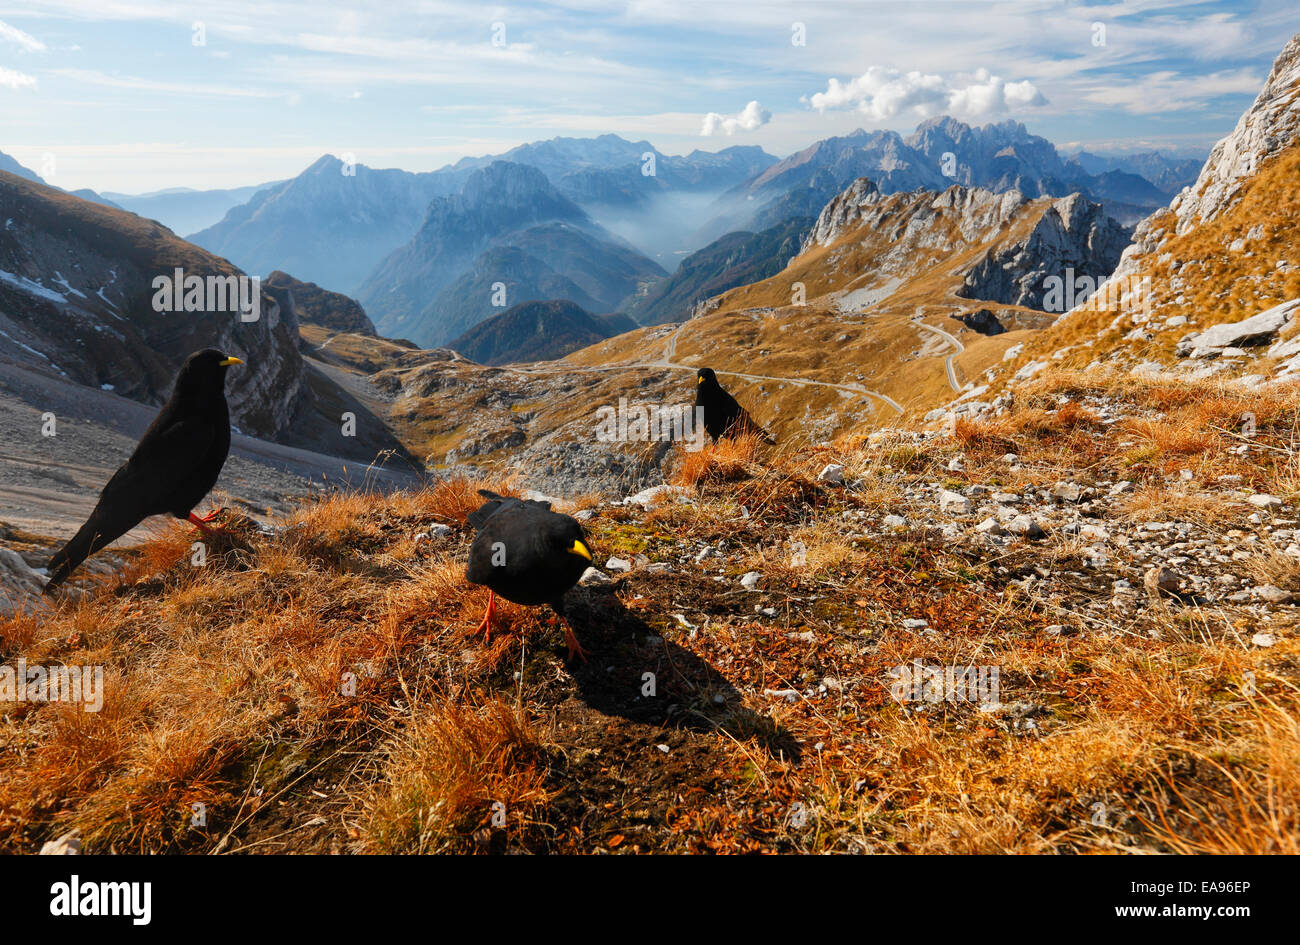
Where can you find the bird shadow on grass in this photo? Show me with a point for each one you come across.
(688, 692)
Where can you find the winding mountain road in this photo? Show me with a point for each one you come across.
(948, 361)
(668, 364)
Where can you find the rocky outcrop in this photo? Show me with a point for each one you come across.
(982, 320)
(1266, 128)
(77, 299)
(313, 305)
(1073, 238)
(972, 210)
(1254, 332)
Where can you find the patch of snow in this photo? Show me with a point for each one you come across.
(58, 277)
(34, 288)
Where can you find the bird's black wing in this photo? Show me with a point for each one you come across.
(497, 502)
(165, 455)
(137, 490)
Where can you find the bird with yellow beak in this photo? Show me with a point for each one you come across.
(528, 554)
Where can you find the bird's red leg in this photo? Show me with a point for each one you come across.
(202, 524)
(485, 626)
(211, 515)
(571, 641)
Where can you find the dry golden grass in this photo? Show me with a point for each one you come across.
(322, 688)
(448, 773)
(721, 461)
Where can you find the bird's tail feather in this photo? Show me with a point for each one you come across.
(85, 543)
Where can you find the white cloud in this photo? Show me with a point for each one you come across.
(883, 93)
(16, 80)
(23, 40)
(750, 118)
(989, 95)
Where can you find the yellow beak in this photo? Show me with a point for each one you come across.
(578, 548)
(699, 380)
(229, 361)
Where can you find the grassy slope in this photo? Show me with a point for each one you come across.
(227, 683)
(1217, 285)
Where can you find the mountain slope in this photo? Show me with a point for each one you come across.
(77, 293)
(531, 331)
(326, 225)
(732, 260)
(1224, 251)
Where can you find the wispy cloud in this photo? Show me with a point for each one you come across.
(25, 41)
(92, 77)
(1169, 91)
(750, 118)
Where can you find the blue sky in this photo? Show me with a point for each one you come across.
(116, 95)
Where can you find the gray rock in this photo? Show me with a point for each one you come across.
(750, 580)
(1250, 332)
(954, 503)
(67, 845)
(1025, 526)
(833, 474)
(1161, 580)
(1272, 594)
(1067, 491)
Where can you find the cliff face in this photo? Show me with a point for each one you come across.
(1072, 235)
(1028, 240)
(1267, 128)
(76, 298)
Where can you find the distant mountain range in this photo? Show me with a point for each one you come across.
(605, 223)
(508, 236)
(943, 151)
(184, 210)
(332, 224)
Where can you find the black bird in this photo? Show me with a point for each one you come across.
(527, 554)
(173, 467)
(723, 416)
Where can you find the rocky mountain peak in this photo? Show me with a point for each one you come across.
(1268, 126)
